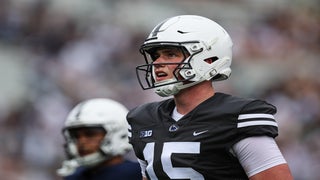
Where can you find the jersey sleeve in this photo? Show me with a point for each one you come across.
(257, 154)
(257, 119)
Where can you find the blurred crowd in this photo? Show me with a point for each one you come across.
(54, 54)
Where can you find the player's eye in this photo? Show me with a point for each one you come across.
(92, 133)
(171, 55)
(74, 135)
(154, 56)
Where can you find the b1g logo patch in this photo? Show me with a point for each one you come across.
(147, 133)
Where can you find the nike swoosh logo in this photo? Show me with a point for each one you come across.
(195, 133)
(182, 32)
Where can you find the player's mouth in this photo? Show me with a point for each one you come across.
(160, 76)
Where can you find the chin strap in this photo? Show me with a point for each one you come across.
(68, 168)
(167, 90)
(173, 89)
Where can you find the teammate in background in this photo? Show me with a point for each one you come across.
(199, 134)
(96, 141)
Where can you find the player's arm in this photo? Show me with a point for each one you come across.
(281, 172)
(261, 159)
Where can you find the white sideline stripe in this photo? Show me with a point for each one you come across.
(256, 123)
(250, 116)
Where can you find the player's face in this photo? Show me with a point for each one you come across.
(170, 55)
(88, 139)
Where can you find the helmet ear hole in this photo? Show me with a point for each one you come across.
(211, 60)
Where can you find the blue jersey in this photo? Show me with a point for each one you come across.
(127, 170)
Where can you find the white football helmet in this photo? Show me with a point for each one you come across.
(201, 39)
(105, 113)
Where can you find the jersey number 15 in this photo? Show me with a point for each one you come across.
(168, 149)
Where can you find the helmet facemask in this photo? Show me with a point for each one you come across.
(182, 73)
(88, 160)
(185, 74)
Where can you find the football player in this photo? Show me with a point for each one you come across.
(96, 141)
(199, 134)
